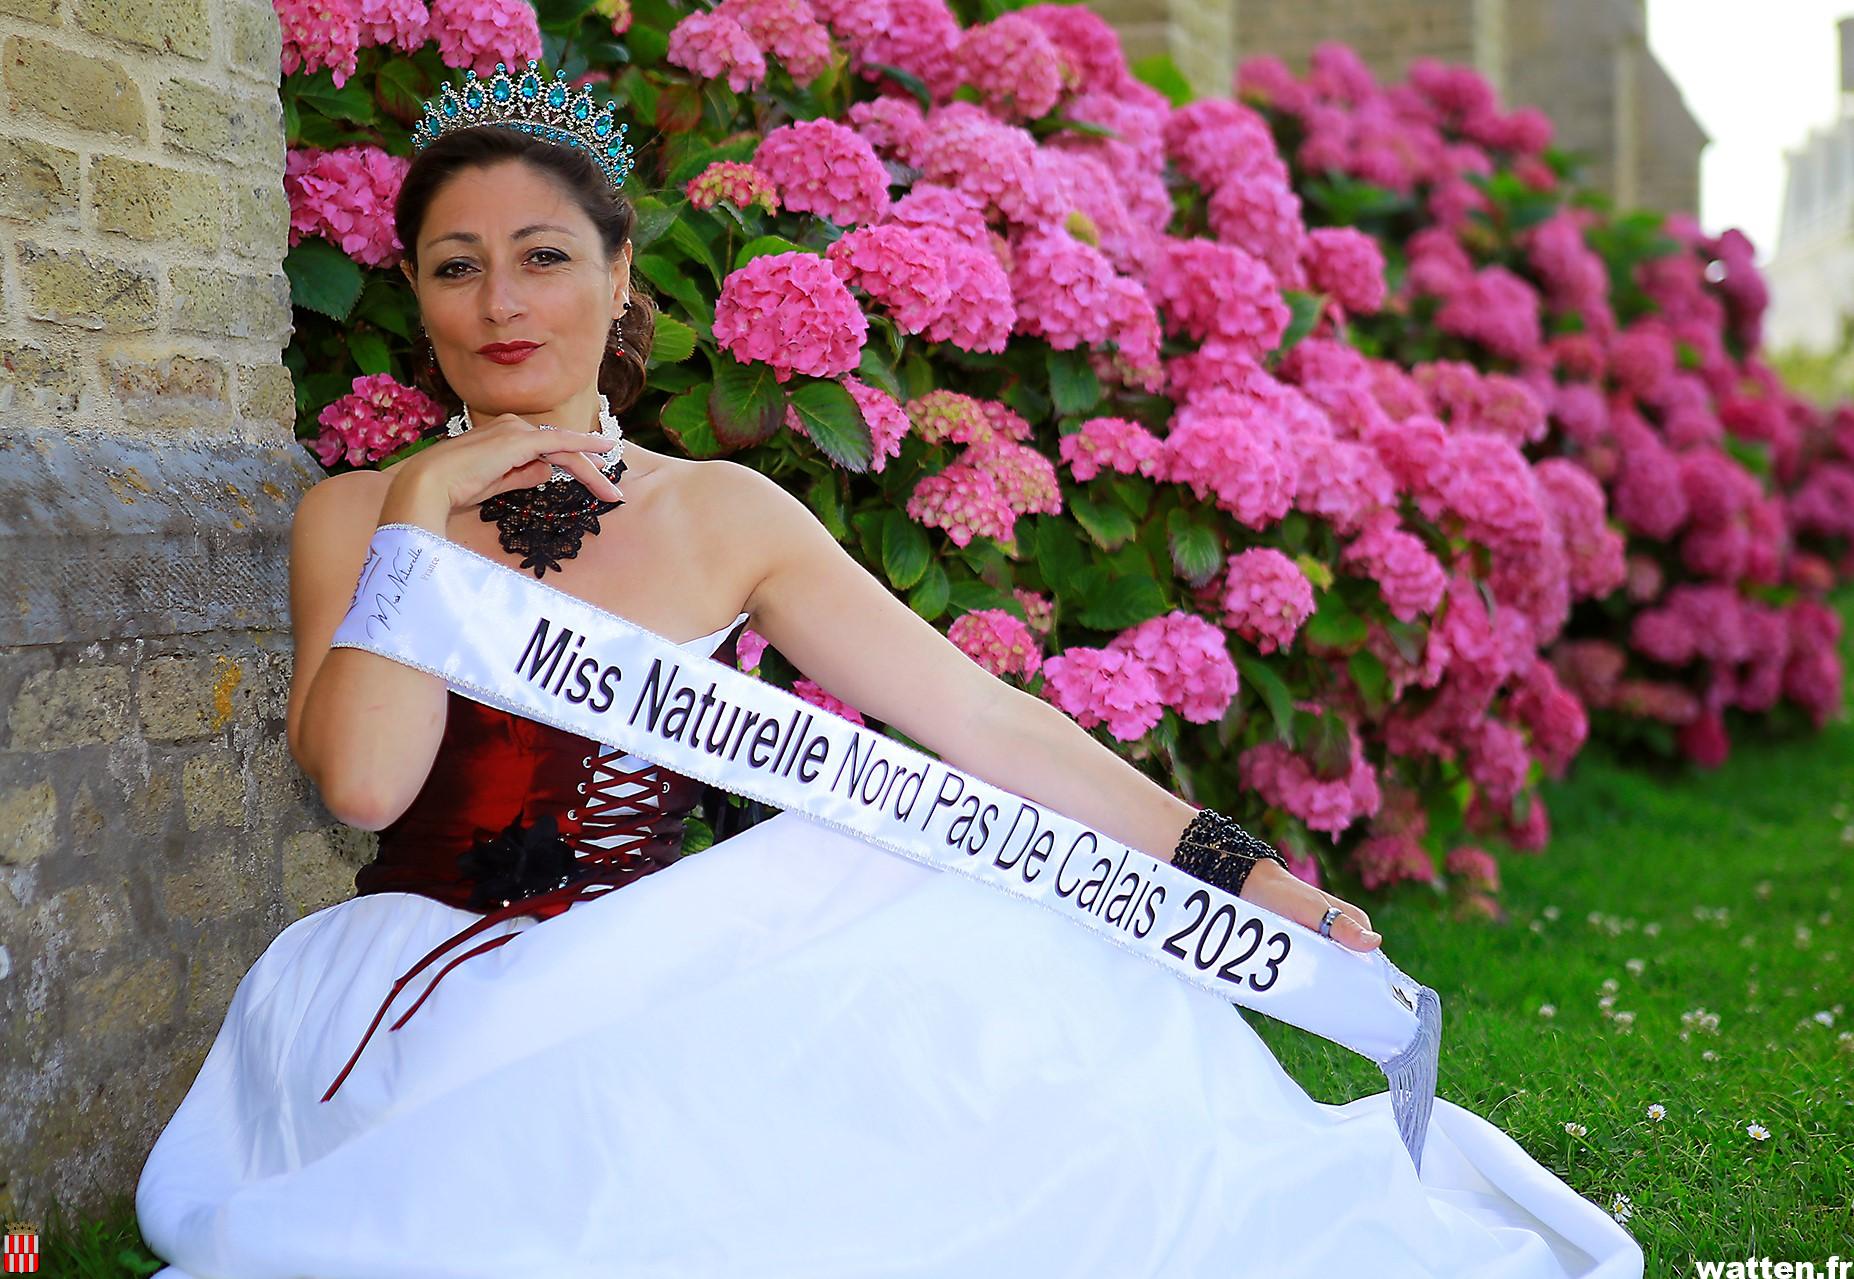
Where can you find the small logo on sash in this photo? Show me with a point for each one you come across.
(22, 1249)
(1403, 998)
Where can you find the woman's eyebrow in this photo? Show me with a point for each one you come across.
(471, 238)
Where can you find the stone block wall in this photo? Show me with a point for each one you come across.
(154, 833)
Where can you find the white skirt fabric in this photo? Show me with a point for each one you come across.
(798, 1056)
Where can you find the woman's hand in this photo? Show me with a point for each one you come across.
(506, 452)
(1270, 886)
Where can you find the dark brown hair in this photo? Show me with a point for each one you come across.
(621, 376)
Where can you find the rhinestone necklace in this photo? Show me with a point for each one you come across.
(546, 523)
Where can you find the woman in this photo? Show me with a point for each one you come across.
(794, 1054)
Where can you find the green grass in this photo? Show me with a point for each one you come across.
(1732, 890)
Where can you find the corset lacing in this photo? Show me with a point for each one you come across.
(597, 871)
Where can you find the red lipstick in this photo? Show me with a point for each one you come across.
(508, 352)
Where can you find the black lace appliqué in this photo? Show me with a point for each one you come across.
(546, 523)
(522, 862)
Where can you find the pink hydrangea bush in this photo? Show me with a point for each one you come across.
(1298, 440)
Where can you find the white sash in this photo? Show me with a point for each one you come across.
(502, 638)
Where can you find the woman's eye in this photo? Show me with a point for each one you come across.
(445, 272)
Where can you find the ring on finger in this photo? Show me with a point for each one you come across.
(1326, 921)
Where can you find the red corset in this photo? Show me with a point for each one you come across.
(544, 818)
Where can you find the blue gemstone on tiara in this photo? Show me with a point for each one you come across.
(558, 116)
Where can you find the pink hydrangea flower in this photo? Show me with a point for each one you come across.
(1286, 780)
(401, 24)
(811, 691)
(898, 268)
(711, 45)
(1013, 65)
(1474, 866)
(317, 34)
(1039, 611)
(1006, 423)
(1092, 56)
(1703, 740)
(825, 168)
(1229, 446)
(1496, 309)
(1594, 549)
(1204, 290)
(1214, 141)
(1343, 482)
(1383, 860)
(855, 22)
(741, 185)
(1190, 663)
(1266, 597)
(1812, 677)
(1648, 496)
(920, 37)
(993, 163)
(373, 420)
(1104, 686)
(788, 30)
(1496, 760)
(1552, 716)
(481, 33)
(749, 649)
(1260, 214)
(1026, 479)
(1266, 79)
(1408, 575)
(943, 416)
(998, 641)
(1491, 487)
(1134, 333)
(888, 424)
(1108, 443)
(789, 310)
(894, 125)
(1346, 265)
(346, 196)
(1062, 288)
(943, 210)
(965, 501)
(980, 311)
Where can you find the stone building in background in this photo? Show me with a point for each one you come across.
(1811, 274)
(1585, 62)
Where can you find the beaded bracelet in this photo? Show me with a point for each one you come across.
(1219, 852)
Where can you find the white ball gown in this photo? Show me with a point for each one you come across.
(793, 1055)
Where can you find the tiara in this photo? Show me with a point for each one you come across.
(533, 106)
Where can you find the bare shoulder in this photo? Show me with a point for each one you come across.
(746, 521)
(339, 498)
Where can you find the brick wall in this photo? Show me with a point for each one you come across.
(154, 833)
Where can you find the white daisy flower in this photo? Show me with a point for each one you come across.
(1576, 1130)
(1621, 1207)
(1758, 1132)
(1657, 1112)
(1548, 1011)
(1636, 967)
